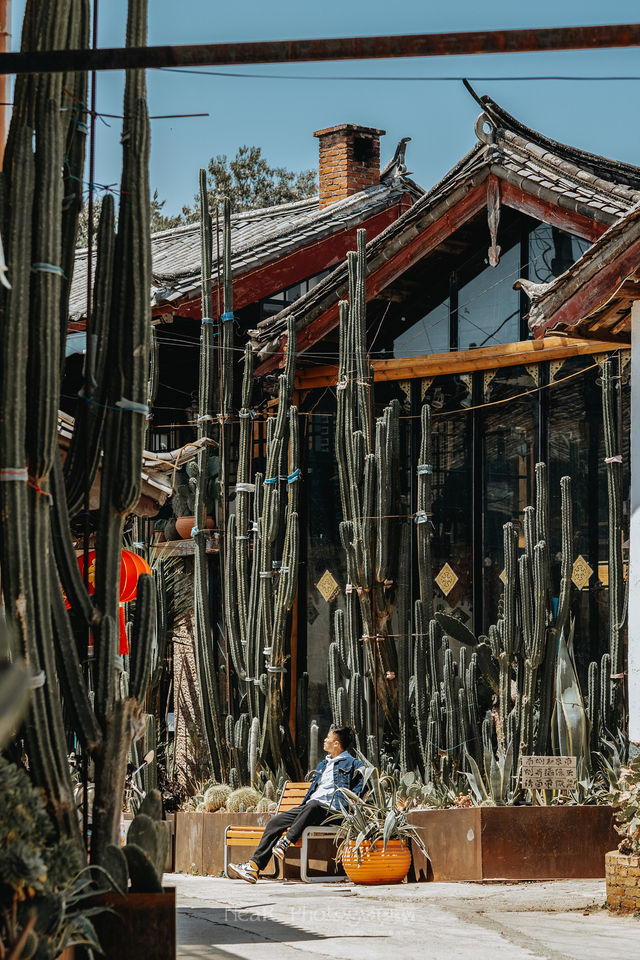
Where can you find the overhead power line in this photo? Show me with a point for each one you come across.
(316, 50)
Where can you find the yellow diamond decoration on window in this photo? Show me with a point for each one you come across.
(328, 586)
(447, 579)
(581, 573)
(503, 576)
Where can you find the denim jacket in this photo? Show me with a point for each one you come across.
(347, 772)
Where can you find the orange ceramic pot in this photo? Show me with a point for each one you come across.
(184, 526)
(377, 866)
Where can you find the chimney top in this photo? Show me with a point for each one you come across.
(351, 128)
(349, 161)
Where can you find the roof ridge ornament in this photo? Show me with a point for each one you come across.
(485, 129)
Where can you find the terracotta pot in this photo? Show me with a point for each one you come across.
(377, 866)
(184, 526)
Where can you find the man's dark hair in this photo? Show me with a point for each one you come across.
(344, 735)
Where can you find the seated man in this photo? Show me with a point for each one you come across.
(338, 769)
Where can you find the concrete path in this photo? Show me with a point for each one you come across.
(563, 920)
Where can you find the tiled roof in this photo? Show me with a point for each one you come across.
(611, 263)
(601, 189)
(257, 237)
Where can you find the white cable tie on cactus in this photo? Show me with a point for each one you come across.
(240, 536)
(38, 680)
(205, 418)
(348, 588)
(266, 574)
(131, 405)
(616, 459)
(245, 487)
(254, 526)
(247, 414)
(284, 569)
(424, 468)
(271, 669)
(3, 267)
(13, 474)
(421, 516)
(138, 544)
(267, 651)
(342, 384)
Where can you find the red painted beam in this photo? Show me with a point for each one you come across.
(296, 266)
(320, 50)
(594, 293)
(435, 234)
(560, 217)
(415, 250)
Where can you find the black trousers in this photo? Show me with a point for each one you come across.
(310, 814)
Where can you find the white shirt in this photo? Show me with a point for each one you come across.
(323, 792)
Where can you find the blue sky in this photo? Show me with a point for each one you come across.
(280, 115)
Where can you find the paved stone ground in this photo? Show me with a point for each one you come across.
(563, 920)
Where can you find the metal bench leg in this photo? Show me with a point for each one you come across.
(304, 857)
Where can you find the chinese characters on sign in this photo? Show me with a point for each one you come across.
(549, 773)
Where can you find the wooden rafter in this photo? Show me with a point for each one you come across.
(463, 361)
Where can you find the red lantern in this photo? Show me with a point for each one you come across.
(131, 567)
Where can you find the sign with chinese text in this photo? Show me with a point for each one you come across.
(549, 773)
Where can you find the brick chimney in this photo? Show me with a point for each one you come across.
(349, 161)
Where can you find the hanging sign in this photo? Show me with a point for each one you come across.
(549, 773)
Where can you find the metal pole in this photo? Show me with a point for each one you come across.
(317, 50)
(5, 86)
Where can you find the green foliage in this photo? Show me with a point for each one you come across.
(147, 846)
(242, 799)
(38, 874)
(216, 797)
(251, 183)
(627, 807)
(374, 818)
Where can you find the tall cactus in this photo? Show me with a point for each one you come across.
(40, 225)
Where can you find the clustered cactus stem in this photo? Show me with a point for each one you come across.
(41, 190)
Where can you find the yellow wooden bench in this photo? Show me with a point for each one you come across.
(243, 836)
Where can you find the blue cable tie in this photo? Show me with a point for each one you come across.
(194, 531)
(229, 315)
(48, 268)
(270, 480)
(294, 476)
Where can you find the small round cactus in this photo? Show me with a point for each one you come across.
(262, 805)
(216, 797)
(241, 799)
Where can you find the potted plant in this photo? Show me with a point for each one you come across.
(43, 883)
(185, 493)
(623, 865)
(374, 833)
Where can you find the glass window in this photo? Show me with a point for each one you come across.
(508, 441)
(428, 335)
(551, 252)
(452, 540)
(489, 307)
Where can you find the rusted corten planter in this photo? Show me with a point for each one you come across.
(199, 839)
(513, 843)
(623, 882)
(143, 927)
(377, 865)
(199, 845)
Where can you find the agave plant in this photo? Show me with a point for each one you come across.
(374, 818)
(496, 788)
